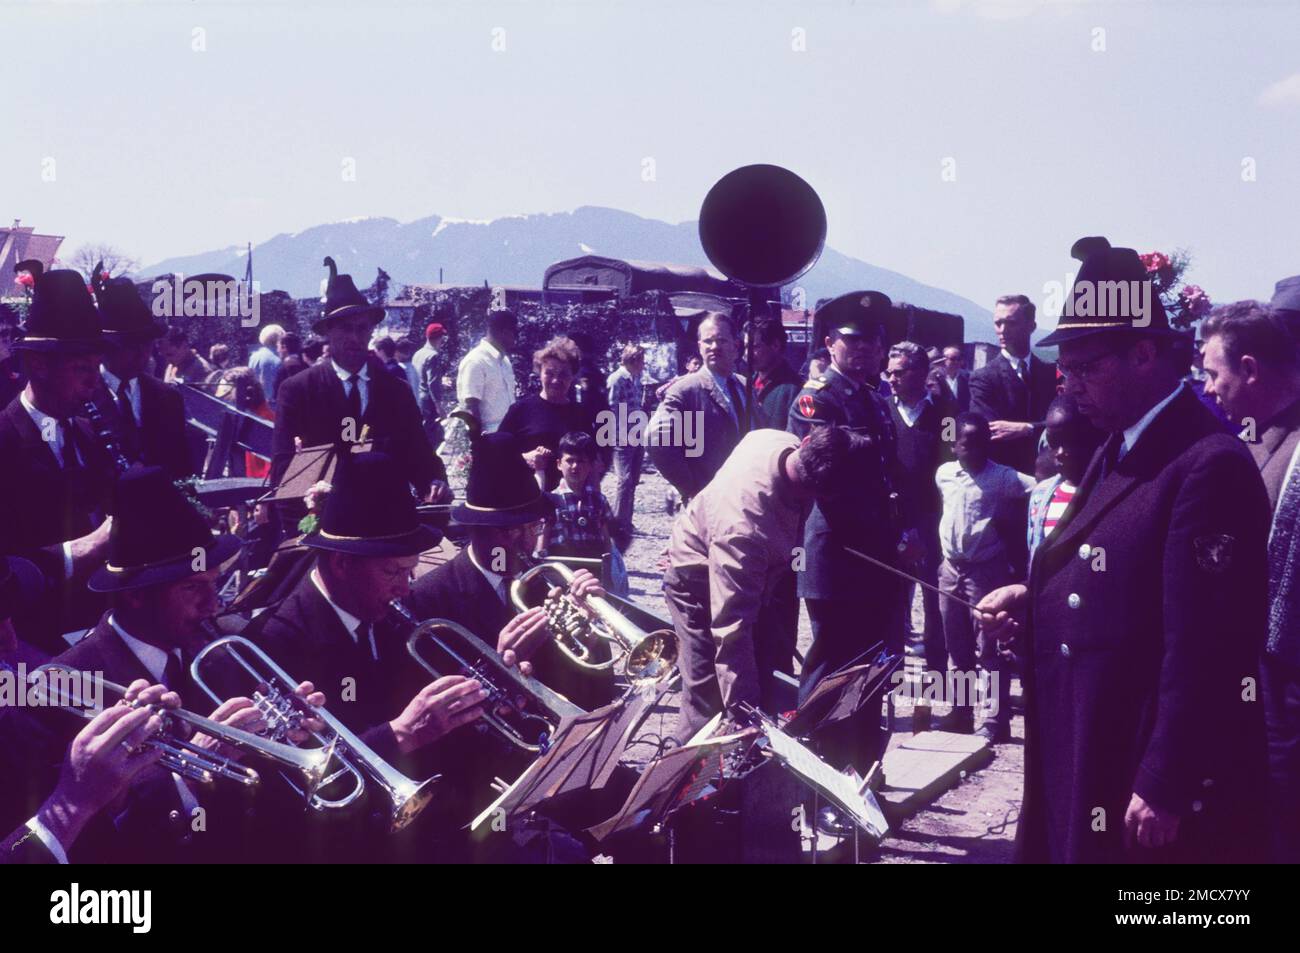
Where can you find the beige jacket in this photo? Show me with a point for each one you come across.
(741, 530)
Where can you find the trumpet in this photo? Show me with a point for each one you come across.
(351, 759)
(180, 754)
(647, 656)
(518, 707)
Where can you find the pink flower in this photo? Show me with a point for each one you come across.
(25, 279)
(1155, 261)
(1195, 300)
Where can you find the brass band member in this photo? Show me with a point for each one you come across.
(505, 512)
(146, 415)
(160, 573)
(334, 400)
(56, 477)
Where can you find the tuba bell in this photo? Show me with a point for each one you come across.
(646, 656)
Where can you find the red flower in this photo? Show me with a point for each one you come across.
(1155, 261)
(25, 279)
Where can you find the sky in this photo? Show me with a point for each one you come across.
(966, 144)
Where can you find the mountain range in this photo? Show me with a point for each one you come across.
(516, 250)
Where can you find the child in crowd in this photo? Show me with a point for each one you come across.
(979, 535)
(1073, 440)
(583, 517)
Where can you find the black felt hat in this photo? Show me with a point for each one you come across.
(156, 535)
(342, 300)
(1112, 292)
(858, 312)
(61, 317)
(501, 490)
(370, 511)
(124, 314)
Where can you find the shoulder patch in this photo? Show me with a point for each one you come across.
(807, 406)
(815, 385)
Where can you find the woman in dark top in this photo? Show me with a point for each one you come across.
(538, 421)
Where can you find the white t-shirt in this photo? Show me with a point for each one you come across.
(487, 375)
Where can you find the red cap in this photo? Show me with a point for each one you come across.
(434, 328)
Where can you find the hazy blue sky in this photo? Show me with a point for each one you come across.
(163, 150)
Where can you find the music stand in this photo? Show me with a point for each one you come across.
(844, 692)
(582, 755)
(675, 779)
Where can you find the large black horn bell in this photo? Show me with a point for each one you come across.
(762, 225)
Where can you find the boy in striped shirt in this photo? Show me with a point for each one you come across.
(1073, 440)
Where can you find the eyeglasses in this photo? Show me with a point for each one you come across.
(1084, 370)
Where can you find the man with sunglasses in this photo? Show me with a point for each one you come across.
(1143, 616)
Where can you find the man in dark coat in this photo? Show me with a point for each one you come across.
(56, 476)
(703, 415)
(852, 605)
(336, 629)
(956, 379)
(351, 397)
(145, 415)
(1143, 616)
(161, 567)
(1013, 390)
(919, 425)
(1251, 369)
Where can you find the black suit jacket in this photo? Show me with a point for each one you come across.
(998, 393)
(159, 439)
(42, 506)
(1146, 620)
(962, 396)
(306, 638)
(921, 449)
(150, 823)
(311, 405)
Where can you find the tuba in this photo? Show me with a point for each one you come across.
(647, 656)
(518, 707)
(762, 226)
(180, 754)
(355, 765)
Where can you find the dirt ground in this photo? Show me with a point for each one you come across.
(974, 822)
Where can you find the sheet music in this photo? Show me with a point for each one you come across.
(840, 788)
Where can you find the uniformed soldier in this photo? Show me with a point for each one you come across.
(852, 604)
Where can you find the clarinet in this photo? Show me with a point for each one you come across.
(104, 431)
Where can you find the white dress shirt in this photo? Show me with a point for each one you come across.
(1016, 363)
(51, 430)
(363, 378)
(911, 414)
(487, 375)
(1133, 433)
(497, 581)
(113, 382)
(151, 657)
(350, 622)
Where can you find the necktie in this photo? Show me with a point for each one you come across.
(174, 673)
(366, 639)
(737, 402)
(124, 405)
(1110, 454)
(353, 387)
(69, 454)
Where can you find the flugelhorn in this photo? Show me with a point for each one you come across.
(518, 707)
(647, 656)
(283, 711)
(180, 754)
